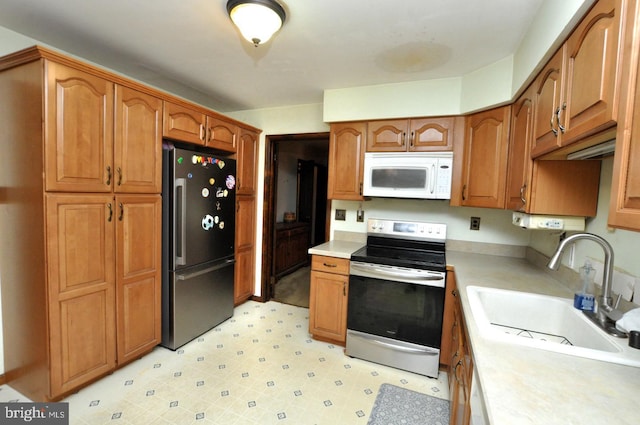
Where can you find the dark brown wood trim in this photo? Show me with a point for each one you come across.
(269, 204)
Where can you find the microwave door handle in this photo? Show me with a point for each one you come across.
(432, 183)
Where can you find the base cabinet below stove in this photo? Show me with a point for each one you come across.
(328, 298)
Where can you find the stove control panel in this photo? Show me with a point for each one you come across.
(407, 229)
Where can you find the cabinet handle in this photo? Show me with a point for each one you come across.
(464, 189)
(121, 212)
(404, 138)
(522, 198)
(203, 132)
(329, 265)
(108, 175)
(110, 212)
(119, 170)
(360, 189)
(555, 132)
(564, 107)
(413, 138)
(344, 289)
(455, 372)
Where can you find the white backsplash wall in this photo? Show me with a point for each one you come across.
(495, 225)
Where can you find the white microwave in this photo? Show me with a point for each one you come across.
(411, 175)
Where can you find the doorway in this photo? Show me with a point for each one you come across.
(295, 209)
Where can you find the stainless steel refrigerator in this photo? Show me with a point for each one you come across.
(198, 212)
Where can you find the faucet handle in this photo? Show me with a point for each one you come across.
(617, 303)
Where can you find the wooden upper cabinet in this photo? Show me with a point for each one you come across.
(221, 134)
(412, 135)
(577, 93)
(546, 187)
(547, 100)
(138, 142)
(485, 158)
(346, 161)
(591, 93)
(246, 166)
(184, 124)
(78, 130)
(624, 206)
(519, 162)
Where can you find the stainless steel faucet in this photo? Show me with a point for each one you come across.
(605, 301)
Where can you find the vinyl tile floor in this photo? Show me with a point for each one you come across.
(259, 367)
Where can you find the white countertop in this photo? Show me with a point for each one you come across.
(524, 385)
(336, 248)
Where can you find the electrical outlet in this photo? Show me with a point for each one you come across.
(360, 216)
(475, 223)
(341, 215)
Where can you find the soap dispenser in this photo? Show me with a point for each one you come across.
(585, 300)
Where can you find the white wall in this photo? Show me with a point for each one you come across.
(493, 85)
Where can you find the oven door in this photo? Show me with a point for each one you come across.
(397, 303)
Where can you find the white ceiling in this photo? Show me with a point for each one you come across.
(190, 47)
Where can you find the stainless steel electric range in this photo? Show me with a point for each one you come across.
(396, 296)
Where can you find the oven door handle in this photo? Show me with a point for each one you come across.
(426, 350)
(425, 276)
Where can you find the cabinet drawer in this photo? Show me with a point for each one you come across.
(330, 264)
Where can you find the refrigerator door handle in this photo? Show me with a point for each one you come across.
(180, 215)
(205, 271)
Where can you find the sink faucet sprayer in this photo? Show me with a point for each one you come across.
(606, 309)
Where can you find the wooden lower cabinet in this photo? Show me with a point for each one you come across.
(244, 278)
(138, 266)
(328, 298)
(104, 259)
(460, 369)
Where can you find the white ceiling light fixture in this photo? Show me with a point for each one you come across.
(257, 20)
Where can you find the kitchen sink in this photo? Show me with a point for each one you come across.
(545, 322)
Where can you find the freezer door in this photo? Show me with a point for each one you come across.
(203, 207)
(196, 300)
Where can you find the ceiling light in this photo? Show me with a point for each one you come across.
(257, 20)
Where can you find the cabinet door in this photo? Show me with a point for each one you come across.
(328, 306)
(387, 136)
(138, 281)
(221, 134)
(346, 161)
(519, 172)
(244, 281)
(547, 98)
(247, 166)
(78, 131)
(137, 142)
(624, 206)
(485, 152)
(81, 289)
(591, 76)
(431, 134)
(184, 124)
(245, 221)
